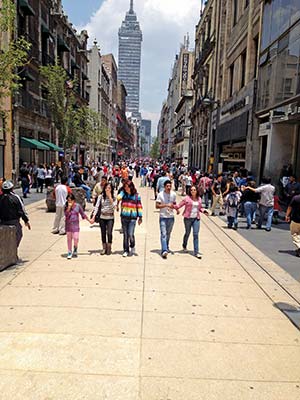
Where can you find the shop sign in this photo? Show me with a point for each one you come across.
(231, 109)
(185, 73)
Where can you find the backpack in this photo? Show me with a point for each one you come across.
(232, 200)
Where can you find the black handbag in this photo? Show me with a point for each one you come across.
(98, 215)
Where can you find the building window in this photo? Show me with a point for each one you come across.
(235, 11)
(231, 78)
(246, 3)
(243, 68)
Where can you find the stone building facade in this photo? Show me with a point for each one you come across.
(236, 86)
(278, 100)
(225, 82)
(207, 48)
(53, 39)
(6, 136)
(175, 123)
(111, 68)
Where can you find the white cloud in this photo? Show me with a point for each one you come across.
(164, 24)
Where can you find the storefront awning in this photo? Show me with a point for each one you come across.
(52, 146)
(32, 144)
(62, 44)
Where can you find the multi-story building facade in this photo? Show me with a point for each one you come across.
(175, 123)
(130, 45)
(6, 159)
(111, 68)
(53, 39)
(125, 135)
(278, 107)
(145, 133)
(227, 43)
(236, 75)
(207, 53)
(162, 131)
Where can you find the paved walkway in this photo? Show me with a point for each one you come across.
(142, 328)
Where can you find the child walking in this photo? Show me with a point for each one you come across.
(72, 212)
(231, 205)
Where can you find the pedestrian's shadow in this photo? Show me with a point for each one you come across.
(290, 252)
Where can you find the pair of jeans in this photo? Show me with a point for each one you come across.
(40, 184)
(87, 190)
(190, 223)
(128, 227)
(250, 208)
(206, 198)
(166, 226)
(263, 211)
(25, 186)
(232, 221)
(106, 226)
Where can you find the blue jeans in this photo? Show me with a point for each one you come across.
(166, 226)
(263, 210)
(206, 198)
(250, 211)
(190, 223)
(87, 192)
(128, 226)
(232, 221)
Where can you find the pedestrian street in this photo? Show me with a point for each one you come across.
(144, 328)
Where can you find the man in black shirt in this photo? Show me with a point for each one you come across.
(25, 179)
(12, 209)
(293, 216)
(216, 190)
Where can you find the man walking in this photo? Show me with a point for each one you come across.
(266, 202)
(165, 202)
(12, 209)
(293, 216)
(61, 192)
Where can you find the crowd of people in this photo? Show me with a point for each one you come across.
(111, 188)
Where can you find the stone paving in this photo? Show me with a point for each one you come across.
(143, 328)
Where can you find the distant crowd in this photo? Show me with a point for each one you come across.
(235, 195)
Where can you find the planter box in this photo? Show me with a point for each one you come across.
(8, 246)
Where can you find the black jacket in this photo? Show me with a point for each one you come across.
(12, 208)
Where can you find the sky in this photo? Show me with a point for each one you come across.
(164, 24)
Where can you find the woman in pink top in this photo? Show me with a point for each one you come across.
(193, 209)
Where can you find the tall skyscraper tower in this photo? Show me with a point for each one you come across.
(130, 46)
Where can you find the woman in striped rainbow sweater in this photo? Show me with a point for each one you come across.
(131, 211)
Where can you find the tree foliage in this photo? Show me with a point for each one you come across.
(13, 52)
(61, 101)
(154, 152)
(74, 122)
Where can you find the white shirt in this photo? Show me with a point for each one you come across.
(165, 198)
(195, 209)
(61, 193)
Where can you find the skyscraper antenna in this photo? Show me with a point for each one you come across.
(131, 6)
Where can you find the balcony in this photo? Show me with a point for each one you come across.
(206, 50)
(47, 60)
(38, 106)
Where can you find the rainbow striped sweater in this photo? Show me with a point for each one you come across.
(131, 205)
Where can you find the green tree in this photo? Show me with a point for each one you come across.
(62, 103)
(13, 52)
(91, 129)
(154, 152)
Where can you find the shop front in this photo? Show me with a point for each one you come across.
(232, 157)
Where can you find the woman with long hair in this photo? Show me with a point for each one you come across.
(131, 211)
(104, 210)
(192, 204)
